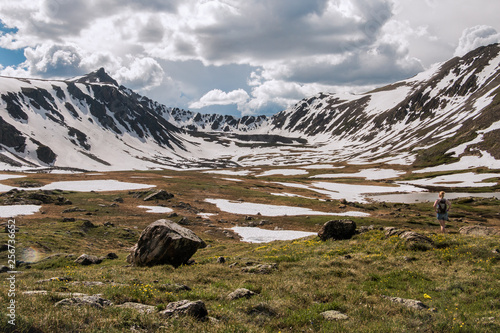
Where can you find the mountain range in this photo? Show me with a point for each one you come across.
(447, 114)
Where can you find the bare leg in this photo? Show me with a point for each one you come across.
(443, 225)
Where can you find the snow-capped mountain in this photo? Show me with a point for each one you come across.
(449, 112)
(439, 115)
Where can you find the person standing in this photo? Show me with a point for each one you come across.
(442, 207)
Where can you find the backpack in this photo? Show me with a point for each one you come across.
(441, 207)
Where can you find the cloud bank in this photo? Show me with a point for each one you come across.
(258, 56)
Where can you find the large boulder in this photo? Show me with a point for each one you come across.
(337, 229)
(165, 242)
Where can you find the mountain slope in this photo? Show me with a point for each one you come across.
(88, 122)
(420, 119)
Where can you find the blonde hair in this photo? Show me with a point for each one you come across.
(441, 194)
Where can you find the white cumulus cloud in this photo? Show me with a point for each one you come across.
(219, 97)
(474, 37)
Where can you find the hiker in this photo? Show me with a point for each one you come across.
(442, 206)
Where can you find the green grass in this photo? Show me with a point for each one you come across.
(457, 278)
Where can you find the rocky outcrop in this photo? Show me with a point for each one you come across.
(337, 229)
(478, 230)
(165, 242)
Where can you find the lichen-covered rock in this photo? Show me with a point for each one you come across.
(165, 242)
(409, 303)
(94, 301)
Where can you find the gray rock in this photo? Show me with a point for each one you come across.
(165, 242)
(478, 230)
(159, 195)
(194, 309)
(143, 308)
(221, 260)
(86, 259)
(94, 301)
(334, 315)
(240, 293)
(260, 269)
(337, 229)
(58, 278)
(4, 269)
(410, 303)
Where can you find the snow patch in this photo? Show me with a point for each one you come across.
(16, 210)
(257, 235)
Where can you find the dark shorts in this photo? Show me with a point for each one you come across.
(442, 217)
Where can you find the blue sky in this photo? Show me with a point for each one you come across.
(240, 57)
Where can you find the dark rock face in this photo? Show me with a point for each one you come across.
(337, 229)
(11, 137)
(165, 242)
(45, 154)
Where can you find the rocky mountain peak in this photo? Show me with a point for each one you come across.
(98, 76)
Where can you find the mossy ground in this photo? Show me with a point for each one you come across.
(458, 278)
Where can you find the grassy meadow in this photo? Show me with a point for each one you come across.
(458, 278)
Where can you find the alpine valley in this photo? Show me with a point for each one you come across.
(447, 114)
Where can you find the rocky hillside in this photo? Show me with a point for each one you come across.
(449, 111)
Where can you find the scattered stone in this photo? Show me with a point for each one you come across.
(185, 307)
(143, 308)
(58, 294)
(86, 259)
(171, 215)
(495, 251)
(159, 195)
(240, 293)
(366, 228)
(111, 256)
(58, 278)
(94, 301)
(337, 229)
(410, 303)
(260, 269)
(74, 210)
(165, 242)
(88, 225)
(334, 315)
(173, 287)
(108, 224)
(4, 269)
(119, 200)
(233, 265)
(478, 230)
(87, 283)
(69, 219)
(221, 260)
(184, 221)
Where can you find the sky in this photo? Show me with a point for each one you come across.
(240, 57)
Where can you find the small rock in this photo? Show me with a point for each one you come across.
(334, 315)
(260, 269)
(410, 303)
(185, 307)
(240, 293)
(221, 260)
(143, 308)
(4, 269)
(86, 259)
(94, 301)
(59, 278)
(159, 195)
